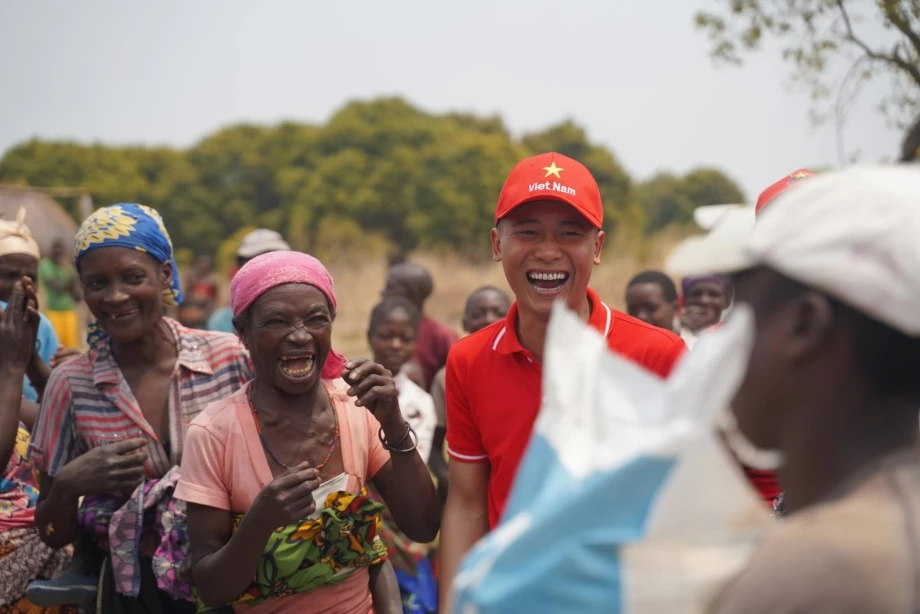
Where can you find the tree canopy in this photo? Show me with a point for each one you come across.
(834, 46)
(379, 170)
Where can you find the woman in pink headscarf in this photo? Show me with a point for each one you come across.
(274, 476)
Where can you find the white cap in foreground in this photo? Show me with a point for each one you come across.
(854, 234)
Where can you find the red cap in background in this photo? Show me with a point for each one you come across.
(552, 176)
(768, 195)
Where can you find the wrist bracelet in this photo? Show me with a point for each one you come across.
(395, 447)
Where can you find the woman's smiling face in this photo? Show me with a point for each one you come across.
(288, 332)
(123, 288)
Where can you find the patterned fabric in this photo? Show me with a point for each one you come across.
(402, 552)
(18, 487)
(151, 512)
(132, 226)
(273, 269)
(320, 552)
(88, 403)
(24, 606)
(23, 558)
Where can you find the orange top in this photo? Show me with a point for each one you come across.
(224, 466)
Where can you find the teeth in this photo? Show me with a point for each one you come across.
(297, 372)
(547, 276)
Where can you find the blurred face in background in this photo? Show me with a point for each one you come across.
(646, 301)
(704, 302)
(392, 339)
(13, 267)
(485, 307)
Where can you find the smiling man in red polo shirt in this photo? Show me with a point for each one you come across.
(548, 238)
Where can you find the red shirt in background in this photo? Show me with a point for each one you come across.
(431, 348)
(766, 483)
(494, 389)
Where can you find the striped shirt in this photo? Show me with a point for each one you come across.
(88, 403)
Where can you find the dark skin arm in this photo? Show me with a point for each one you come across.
(10, 396)
(17, 339)
(438, 464)
(385, 589)
(28, 413)
(466, 520)
(404, 481)
(36, 369)
(38, 373)
(224, 563)
(56, 514)
(111, 469)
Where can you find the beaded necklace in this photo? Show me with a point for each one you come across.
(255, 417)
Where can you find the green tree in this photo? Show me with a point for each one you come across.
(670, 199)
(382, 169)
(110, 176)
(834, 47)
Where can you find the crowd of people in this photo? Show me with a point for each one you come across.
(196, 458)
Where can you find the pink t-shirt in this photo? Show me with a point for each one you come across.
(224, 466)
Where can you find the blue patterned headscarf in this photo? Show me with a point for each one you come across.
(133, 226)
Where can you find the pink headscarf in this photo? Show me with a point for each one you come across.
(267, 271)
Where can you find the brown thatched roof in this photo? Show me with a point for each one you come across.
(44, 216)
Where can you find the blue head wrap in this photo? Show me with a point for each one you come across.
(132, 226)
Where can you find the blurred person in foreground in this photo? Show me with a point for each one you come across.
(259, 241)
(548, 237)
(19, 257)
(831, 392)
(23, 556)
(484, 306)
(651, 296)
(62, 289)
(413, 282)
(766, 482)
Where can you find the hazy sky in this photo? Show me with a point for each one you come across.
(634, 73)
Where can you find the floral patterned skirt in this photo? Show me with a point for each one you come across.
(23, 558)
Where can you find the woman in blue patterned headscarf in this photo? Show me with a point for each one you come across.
(112, 423)
(131, 227)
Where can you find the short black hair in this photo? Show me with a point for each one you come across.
(417, 275)
(888, 357)
(483, 290)
(384, 308)
(668, 289)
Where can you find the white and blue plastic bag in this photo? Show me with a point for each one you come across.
(625, 502)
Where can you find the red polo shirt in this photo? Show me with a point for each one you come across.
(493, 389)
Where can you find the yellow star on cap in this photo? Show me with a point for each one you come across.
(800, 175)
(552, 169)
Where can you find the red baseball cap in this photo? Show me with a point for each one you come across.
(767, 196)
(551, 176)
